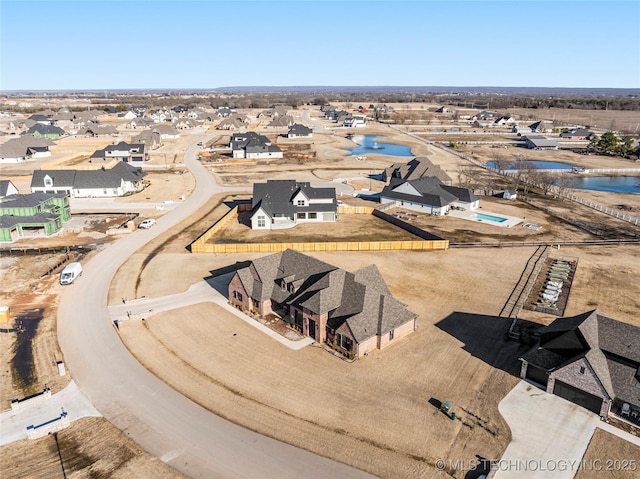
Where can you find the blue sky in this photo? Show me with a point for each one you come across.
(209, 44)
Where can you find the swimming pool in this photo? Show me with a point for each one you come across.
(495, 219)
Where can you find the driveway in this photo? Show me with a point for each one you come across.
(14, 423)
(162, 421)
(201, 292)
(549, 435)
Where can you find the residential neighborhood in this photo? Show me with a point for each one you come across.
(401, 273)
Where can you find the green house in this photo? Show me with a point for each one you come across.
(35, 214)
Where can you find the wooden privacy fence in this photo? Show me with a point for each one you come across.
(202, 244)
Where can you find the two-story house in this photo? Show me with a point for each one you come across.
(281, 204)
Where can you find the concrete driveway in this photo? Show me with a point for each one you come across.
(549, 435)
(13, 424)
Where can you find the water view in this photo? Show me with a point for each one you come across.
(612, 184)
(369, 144)
(532, 164)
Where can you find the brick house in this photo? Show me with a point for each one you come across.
(591, 360)
(354, 313)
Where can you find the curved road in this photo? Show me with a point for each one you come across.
(165, 423)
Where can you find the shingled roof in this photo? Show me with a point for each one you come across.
(429, 191)
(361, 298)
(611, 347)
(275, 197)
(414, 169)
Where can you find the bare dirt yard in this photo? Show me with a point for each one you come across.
(90, 447)
(348, 227)
(609, 456)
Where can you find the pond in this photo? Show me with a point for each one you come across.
(612, 184)
(540, 165)
(368, 144)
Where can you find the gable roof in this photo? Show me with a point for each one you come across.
(5, 185)
(276, 196)
(361, 299)
(298, 129)
(610, 347)
(19, 147)
(430, 191)
(82, 179)
(416, 168)
(45, 129)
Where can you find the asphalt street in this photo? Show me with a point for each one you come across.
(165, 423)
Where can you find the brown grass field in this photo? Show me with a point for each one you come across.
(375, 413)
(89, 448)
(609, 456)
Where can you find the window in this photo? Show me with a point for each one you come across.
(313, 216)
(237, 295)
(582, 369)
(301, 216)
(300, 202)
(391, 332)
(261, 222)
(345, 342)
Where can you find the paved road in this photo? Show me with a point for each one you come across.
(161, 420)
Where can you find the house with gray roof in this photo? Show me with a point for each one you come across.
(279, 204)
(591, 360)
(120, 180)
(253, 145)
(428, 195)
(414, 169)
(24, 148)
(35, 214)
(353, 313)
(134, 153)
(542, 126)
(298, 130)
(576, 134)
(45, 131)
(7, 188)
(539, 142)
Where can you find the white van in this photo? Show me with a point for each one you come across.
(70, 273)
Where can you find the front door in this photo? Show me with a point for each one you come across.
(312, 328)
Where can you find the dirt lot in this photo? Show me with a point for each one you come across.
(90, 447)
(413, 371)
(348, 227)
(609, 456)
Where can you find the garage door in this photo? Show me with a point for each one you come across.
(537, 375)
(575, 395)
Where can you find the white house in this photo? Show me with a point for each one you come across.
(130, 153)
(355, 121)
(279, 204)
(299, 131)
(428, 195)
(25, 148)
(117, 181)
(253, 145)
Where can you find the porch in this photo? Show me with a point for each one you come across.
(626, 411)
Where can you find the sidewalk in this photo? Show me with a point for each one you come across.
(201, 292)
(13, 424)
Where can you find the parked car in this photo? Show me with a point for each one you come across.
(146, 224)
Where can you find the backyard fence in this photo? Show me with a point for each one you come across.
(428, 241)
(591, 204)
